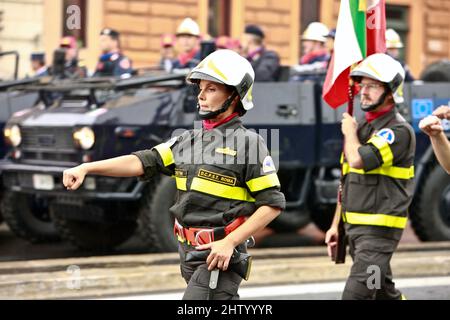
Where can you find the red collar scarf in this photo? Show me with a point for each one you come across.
(185, 57)
(370, 116)
(209, 125)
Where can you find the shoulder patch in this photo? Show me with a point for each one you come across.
(172, 141)
(114, 57)
(387, 134)
(268, 165)
(125, 64)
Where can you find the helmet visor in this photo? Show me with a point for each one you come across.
(196, 76)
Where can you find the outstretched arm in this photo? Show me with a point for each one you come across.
(124, 166)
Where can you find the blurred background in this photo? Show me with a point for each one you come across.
(38, 25)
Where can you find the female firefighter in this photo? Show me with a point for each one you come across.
(227, 183)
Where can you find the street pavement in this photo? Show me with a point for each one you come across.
(428, 288)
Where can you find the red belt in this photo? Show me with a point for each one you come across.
(199, 236)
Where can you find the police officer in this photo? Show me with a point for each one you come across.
(377, 180)
(227, 183)
(38, 64)
(266, 63)
(393, 45)
(188, 37)
(112, 62)
(434, 128)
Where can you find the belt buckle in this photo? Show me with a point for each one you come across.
(200, 240)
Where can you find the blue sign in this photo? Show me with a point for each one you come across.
(421, 108)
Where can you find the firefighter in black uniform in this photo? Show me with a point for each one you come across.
(112, 63)
(226, 179)
(377, 181)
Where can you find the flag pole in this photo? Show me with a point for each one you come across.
(342, 240)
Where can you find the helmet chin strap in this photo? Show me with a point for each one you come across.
(372, 107)
(206, 115)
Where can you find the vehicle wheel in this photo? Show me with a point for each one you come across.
(323, 217)
(430, 216)
(437, 72)
(88, 235)
(28, 217)
(155, 220)
(290, 221)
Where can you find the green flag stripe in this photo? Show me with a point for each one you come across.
(358, 12)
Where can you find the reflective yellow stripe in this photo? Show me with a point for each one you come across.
(213, 67)
(165, 153)
(264, 182)
(393, 172)
(384, 148)
(181, 183)
(221, 190)
(376, 219)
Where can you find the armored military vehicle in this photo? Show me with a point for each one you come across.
(101, 118)
(12, 101)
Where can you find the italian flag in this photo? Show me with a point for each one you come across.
(360, 32)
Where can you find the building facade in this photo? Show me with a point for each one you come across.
(424, 25)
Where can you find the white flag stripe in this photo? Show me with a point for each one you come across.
(346, 46)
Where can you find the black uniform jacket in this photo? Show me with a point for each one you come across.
(220, 174)
(375, 199)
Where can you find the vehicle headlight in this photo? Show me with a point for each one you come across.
(12, 135)
(84, 137)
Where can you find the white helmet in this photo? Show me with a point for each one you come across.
(393, 39)
(189, 27)
(383, 68)
(316, 31)
(229, 68)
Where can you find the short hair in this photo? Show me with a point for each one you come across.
(111, 33)
(255, 30)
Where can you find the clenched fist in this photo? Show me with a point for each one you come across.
(74, 177)
(443, 112)
(349, 125)
(431, 125)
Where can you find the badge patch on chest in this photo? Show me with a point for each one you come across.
(386, 134)
(180, 173)
(227, 151)
(216, 177)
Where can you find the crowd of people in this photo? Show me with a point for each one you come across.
(182, 50)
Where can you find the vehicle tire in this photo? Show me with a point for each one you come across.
(323, 217)
(437, 72)
(27, 216)
(155, 220)
(94, 236)
(290, 221)
(430, 214)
